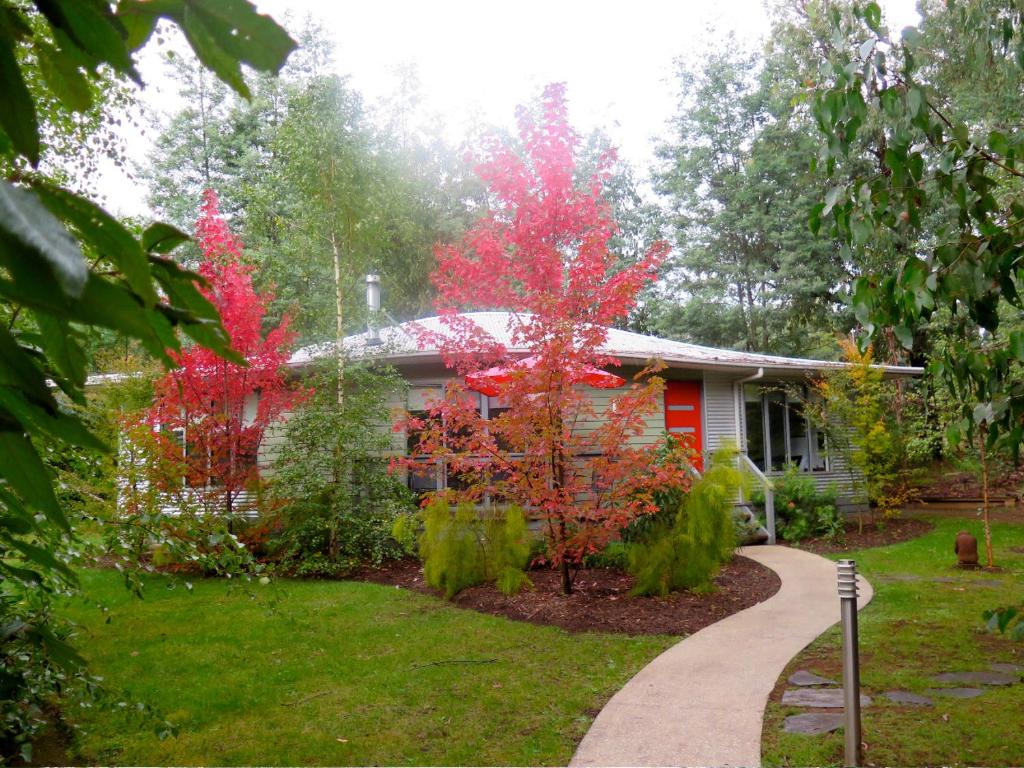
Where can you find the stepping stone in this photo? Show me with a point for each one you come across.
(1008, 669)
(983, 583)
(906, 697)
(813, 723)
(805, 677)
(984, 677)
(956, 693)
(819, 697)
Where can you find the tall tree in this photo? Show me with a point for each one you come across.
(220, 409)
(222, 141)
(945, 194)
(746, 271)
(326, 155)
(640, 222)
(192, 152)
(542, 251)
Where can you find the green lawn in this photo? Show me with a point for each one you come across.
(334, 673)
(912, 630)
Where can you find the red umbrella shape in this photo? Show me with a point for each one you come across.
(491, 381)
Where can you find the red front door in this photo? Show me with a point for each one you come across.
(682, 415)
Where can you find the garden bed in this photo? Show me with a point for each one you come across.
(601, 601)
(894, 531)
(947, 483)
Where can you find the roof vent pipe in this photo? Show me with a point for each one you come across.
(372, 309)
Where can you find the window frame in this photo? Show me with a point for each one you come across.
(816, 454)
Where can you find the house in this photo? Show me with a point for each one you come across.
(712, 396)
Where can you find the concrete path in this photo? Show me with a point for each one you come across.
(701, 702)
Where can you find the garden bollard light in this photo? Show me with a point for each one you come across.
(851, 663)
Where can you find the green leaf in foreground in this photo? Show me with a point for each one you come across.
(25, 219)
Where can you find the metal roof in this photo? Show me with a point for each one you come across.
(399, 345)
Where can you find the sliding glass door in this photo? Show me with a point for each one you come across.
(779, 433)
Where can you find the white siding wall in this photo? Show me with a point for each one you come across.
(719, 415)
(719, 410)
(273, 439)
(654, 423)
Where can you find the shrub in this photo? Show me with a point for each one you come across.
(879, 427)
(336, 532)
(802, 511)
(687, 553)
(335, 500)
(615, 555)
(461, 548)
(674, 456)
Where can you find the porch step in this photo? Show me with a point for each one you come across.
(748, 529)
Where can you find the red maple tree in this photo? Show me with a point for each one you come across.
(542, 253)
(211, 413)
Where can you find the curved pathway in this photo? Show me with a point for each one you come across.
(702, 701)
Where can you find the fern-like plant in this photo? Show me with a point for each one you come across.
(688, 552)
(460, 549)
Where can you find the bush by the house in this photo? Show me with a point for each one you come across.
(463, 547)
(614, 555)
(802, 511)
(328, 535)
(688, 552)
(672, 455)
(876, 425)
(335, 503)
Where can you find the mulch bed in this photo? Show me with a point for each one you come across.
(892, 531)
(948, 484)
(601, 601)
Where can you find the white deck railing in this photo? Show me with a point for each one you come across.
(769, 494)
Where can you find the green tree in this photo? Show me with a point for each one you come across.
(639, 221)
(306, 172)
(330, 481)
(325, 154)
(68, 267)
(945, 195)
(746, 273)
(219, 140)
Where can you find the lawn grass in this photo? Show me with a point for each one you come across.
(336, 673)
(911, 631)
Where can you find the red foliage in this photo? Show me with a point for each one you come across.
(224, 408)
(542, 252)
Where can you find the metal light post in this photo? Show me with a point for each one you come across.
(851, 661)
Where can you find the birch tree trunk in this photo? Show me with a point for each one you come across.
(982, 434)
(339, 318)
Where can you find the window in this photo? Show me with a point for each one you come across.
(779, 433)
(430, 476)
(495, 407)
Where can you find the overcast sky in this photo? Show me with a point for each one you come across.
(480, 59)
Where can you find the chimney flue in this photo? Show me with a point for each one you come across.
(372, 309)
